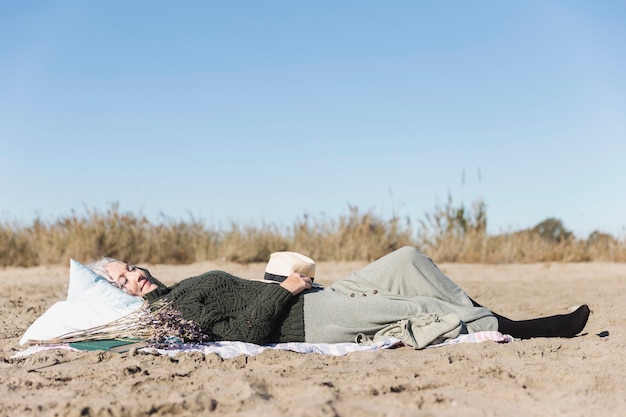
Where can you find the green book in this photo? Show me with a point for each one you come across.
(110, 345)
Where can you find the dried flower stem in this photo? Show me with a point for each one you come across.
(155, 323)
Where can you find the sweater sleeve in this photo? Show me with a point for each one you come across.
(231, 308)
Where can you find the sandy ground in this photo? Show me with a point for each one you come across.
(581, 376)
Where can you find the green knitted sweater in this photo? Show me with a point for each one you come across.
(231, 308)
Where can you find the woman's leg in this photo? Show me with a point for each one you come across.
(561, 325)
(405, 272)
(333, 317)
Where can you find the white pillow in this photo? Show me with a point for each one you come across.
(67, 316)
(87, 286)
(91, 301)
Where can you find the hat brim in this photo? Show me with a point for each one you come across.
(277, 278)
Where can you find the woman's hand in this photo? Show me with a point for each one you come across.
(296, 282)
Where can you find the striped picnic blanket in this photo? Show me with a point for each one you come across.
(228, 350)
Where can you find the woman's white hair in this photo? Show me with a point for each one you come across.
(99, 267)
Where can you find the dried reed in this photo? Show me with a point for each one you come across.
(450, 233)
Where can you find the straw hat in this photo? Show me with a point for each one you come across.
(282, 264)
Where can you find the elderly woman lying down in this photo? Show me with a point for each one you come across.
(403, 294)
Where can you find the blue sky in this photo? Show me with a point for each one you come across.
(262, 112)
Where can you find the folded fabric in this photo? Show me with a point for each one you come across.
(419, 332)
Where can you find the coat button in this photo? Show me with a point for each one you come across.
(375, 291)
(364, 295)
(351, 294)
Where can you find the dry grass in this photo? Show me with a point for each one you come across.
(448, 234)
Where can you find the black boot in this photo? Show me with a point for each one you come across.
(562, 325)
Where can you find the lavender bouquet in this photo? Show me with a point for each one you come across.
(158, 324)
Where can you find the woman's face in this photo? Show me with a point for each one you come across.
(130, 279)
